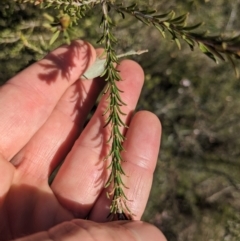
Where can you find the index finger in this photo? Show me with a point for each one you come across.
(28, 99)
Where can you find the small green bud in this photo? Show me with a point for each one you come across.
(65, 21)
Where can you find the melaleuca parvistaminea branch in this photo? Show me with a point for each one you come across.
(62, 3)
(118, 208)
(215, 47)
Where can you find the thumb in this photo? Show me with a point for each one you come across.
(142, 231)
(84, 230)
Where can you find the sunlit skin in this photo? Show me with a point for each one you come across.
(43, 112)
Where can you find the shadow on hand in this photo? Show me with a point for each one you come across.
(63, 63)
(27, 210)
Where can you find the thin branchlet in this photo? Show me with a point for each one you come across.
(215, 47)
(118, 208)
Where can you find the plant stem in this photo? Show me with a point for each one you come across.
(118, 208)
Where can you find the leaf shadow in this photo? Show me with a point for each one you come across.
(84, 101)
(63, 63)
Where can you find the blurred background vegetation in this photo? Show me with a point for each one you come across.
(195, 194)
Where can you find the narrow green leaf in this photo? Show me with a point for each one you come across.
(216, 53)
(188, 28)
(190, 42)
(54, 37)
(142, 19)
(167, 24)
(179, 20)
(66, 37)
(178, 43)
(172, 15)
(131, 7)
(159, 16)
(205, 50)
(159, 28)
(148, 12)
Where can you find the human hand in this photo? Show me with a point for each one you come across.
(43, 110)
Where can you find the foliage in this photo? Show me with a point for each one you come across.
(198, 108)
(196, 190)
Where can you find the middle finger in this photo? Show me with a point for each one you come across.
(83, 174)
